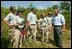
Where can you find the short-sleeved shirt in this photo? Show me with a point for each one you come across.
(49, 20)
(32, 18)
(11, 18)
(40, 21)
(43, 22)
(58, 20)
(20, 21)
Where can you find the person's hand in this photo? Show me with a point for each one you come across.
(27, 24)
(11, 26)
(49, 30)
(63, 29)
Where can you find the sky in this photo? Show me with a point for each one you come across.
(37, 4)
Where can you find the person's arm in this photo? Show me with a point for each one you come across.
(6, 20)
(63, 28)
(52, 24)
(28, 19)
(50, 28)
(39, 24)
(63, 23)
(37, 21)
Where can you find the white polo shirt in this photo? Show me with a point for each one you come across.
(20, 21)
(32, 18)
(49, 20)
(11, 18)
(43, 22)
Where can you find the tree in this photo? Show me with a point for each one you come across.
(67, 16)
(21, 8)
(31, 6)
(55, 6)
(65, 5)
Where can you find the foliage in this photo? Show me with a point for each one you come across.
(5, 42)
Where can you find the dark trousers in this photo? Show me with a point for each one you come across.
(58, 36)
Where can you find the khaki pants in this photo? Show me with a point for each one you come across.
(48, 33)
(44, 33)
(33, 31)
(15, 35)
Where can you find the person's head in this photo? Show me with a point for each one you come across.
(33, 10)
(56, 11)
(19, 12)
(12, 9)
(49, 14)
(42, 15)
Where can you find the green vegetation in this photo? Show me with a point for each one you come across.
(5, 38)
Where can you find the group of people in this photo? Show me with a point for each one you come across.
(22, 29)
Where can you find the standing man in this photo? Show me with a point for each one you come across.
(10, 20)
(31, 18)
(59, 26)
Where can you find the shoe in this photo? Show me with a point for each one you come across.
(47, 42)
(34, 39)
(60, 47)
(42, 40)
(20, 46)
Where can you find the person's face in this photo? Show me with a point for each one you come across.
(43, 15)
(34, 11)
(49, 15)
(20, 13)
(15, 12)
(14, 9)
(56, 11)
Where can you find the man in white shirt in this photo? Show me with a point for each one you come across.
(10, 20)
(31, 18)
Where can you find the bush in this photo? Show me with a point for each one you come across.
(67, 16)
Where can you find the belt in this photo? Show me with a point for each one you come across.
(33, 24)
(57, 25)
(43, 26)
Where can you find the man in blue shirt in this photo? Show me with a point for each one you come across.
(58, 24)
